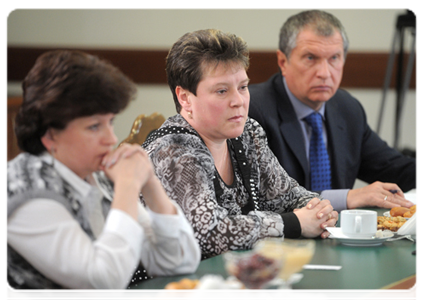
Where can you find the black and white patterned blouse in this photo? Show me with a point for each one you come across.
(186, 169)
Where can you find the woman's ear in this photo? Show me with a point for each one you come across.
(183, 98)
(48, 140)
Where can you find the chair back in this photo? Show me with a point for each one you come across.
(142, 127)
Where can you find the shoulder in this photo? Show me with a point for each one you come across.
(346, 105)
(254, 135)
(178, 145)
(174, 133)
(30, 177)
(343, 99)
(266, 89)
(253, 129)
(266, 97)
(29, 171)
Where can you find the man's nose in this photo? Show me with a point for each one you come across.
(323, 70)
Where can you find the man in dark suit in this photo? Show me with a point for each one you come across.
(311, 56)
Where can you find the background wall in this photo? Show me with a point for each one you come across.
(369, 30)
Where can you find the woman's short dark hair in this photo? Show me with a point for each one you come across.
(194, 51)
(64, 85)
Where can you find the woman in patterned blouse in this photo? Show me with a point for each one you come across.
(215, 162)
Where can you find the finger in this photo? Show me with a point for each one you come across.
(401, 201)
(323, 203)
(392, 200)
(335, 216)
(392, 188)
(325, 212)
(110, 159)
(134, 150)
(313, 203)
(397, 201)
(329, 223)
(325, 234)
(124, 151)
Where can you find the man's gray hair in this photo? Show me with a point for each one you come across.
(322, 23)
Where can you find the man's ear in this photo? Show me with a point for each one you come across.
(282, 60)
(183, 98)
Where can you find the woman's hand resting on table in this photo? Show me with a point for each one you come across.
(315, 217)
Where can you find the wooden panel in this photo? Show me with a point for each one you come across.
(362, 70)
(13, 105)
(141, 66)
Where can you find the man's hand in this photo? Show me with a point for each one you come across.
(379, 194)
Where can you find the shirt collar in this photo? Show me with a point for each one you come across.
(302, 110)
(80, 185)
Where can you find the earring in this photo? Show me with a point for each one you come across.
(189, 114)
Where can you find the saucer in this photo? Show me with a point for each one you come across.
(336, 233)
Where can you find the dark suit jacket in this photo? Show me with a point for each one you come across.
(354, 149)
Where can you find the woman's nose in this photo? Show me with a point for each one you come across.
(110, 136)
(237, 99)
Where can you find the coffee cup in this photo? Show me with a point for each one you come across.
(359, 223)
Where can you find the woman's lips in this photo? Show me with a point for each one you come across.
(237, 118)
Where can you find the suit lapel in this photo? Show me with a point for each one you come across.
(335, 127)
(291, 128)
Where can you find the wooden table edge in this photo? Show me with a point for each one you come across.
(405, 289)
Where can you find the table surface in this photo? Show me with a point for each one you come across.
(371, 267)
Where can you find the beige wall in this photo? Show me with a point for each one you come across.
(368, 30)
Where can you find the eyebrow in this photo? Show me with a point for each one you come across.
(310, 52)
(247, 80)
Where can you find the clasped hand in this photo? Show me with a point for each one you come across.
(128, 163)
(315, 217)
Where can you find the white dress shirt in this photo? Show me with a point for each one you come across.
(49, 238)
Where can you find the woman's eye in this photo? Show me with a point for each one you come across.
(221, 92)
(94, 127)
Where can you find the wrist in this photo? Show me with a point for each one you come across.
(292, 226)
(156, 198)
(350, 199)
(128, 184)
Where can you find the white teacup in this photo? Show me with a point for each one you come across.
(359, 223)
